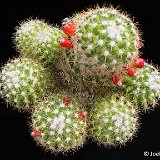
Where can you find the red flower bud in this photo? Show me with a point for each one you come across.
(117, 80)
(138, 62)
(69, 28)
(66, 101)
(65, 42)
(139, 44)
(36, 133)
(81, 114)
(130, 71)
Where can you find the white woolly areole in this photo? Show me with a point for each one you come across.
(28, 26)
(154, 81)
(45, 35)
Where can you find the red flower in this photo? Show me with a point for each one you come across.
(66, 101)
(69, 28)
(36, 133)
(130, 71)
(138, 62)
(65, 42)
(117, 80)
(81, 114)
(139, 44)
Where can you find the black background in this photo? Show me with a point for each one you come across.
(15, 140)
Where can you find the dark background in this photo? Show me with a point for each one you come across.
(15, 140)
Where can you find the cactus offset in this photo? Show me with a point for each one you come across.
(143, 89)
(23, 82)
(35, 38)
(113, 121)
(60, 123)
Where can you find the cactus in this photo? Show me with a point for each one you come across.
(104, 42)
(143, 89)
(35, 38)
(59, 125)
(113, 121)
(23, 82)
(94, 58)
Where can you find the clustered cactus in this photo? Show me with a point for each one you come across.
(85, 79)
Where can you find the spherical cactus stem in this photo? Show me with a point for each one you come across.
(138, 62)
(65, 42)
(58, 128)
(114, 121)
(143, 89)
(37, 39)
(69, 28)
(23, 82)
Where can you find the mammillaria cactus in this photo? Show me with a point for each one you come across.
(113, 122)
(143, 88)
(23, 82)
(104, 42)
(94, 58)
(61, 124)
(35, 38)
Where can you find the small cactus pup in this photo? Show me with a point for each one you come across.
(23, 81)
(113, 121)
(59, 124)
(35, 38)
(143, 89)
(104, 41)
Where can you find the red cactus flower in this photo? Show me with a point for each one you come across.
(36, 133)
(66, 101)
(139, 44)
(65, 42)
(138, 62)
(69, 28)
(117, 80)
(130, 71)
(81, 114)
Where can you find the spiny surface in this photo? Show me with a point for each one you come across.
(143, 89)
(61, 125)
(105, 41)
(36, 38)
(23, 82)
(108, 36)
(113, 121)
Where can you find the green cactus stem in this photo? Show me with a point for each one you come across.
(105, 41)
(23, 81)
(61, 124)
(143, 89)
(113, 121)
(35, 38)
